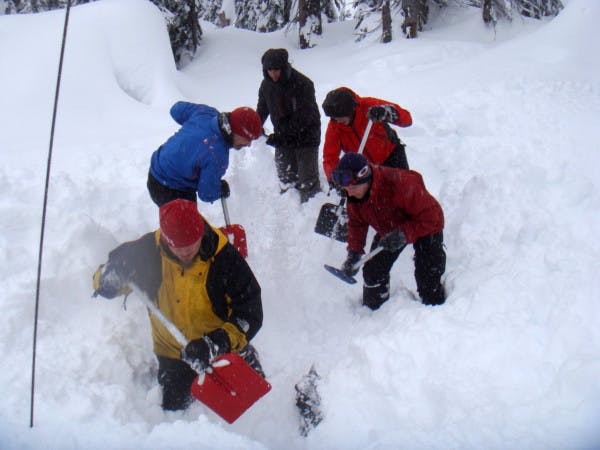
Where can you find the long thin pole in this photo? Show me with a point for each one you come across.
(40, 252)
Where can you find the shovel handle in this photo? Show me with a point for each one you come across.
(178, 335)
(367, 257)
(225, 211)
(348, 278)
(365, 136)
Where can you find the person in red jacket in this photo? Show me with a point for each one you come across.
(349, 115)
(397, 205)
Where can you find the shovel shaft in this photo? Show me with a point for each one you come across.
(349, 278)
(365, 136)
(178, 335)
(225, 211)
(367, 257)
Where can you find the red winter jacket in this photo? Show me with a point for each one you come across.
(347, 138)
(397, 199)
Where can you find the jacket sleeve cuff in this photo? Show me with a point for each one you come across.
(237, 339)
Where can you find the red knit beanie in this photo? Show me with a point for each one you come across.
(245, 122)
(180, 223)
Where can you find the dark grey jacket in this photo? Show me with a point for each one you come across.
(292, 105)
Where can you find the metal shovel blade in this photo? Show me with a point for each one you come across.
(332, 222)
(340, 274)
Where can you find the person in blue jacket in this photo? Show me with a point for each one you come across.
(194, 160)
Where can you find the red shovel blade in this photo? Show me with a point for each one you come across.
(236, 235)
(231, 388)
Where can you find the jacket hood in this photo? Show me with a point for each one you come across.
(273, 59)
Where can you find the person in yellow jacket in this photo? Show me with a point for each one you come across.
(201, 283)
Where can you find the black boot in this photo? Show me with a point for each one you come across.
(434, 297)
(375, 296)
(250, 355)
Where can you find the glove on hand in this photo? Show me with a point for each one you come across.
(336, 188)
(199, 353)
(273, 140)
(393, 241)
(348, 266)
(225, 192)
(108, 283)
(383, 113)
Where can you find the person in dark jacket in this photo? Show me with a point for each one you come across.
(397, 205)
(196, 157)
(289, 98)
(349, 114)
(200, 283)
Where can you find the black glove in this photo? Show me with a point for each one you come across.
(348, 266)
(393, 241)
(336, 188)
(199, 353)
(108, 283)
(225, 189)
(273, 140)
(383, 113)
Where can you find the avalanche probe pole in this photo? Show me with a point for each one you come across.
(43, 227)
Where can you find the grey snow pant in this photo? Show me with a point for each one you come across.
(298, 167)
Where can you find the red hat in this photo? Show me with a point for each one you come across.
(246, 122)
(180, 223)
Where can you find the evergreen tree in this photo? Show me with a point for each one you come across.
(364, 12)
(416, 13)
(260, 15)
(309, 20)
(210, 9)
(494, 10)
(386, 22)
(183, 26)
(539, 8)
(334, 10)
(35, 6)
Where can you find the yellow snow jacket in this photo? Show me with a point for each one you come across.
(217, 291)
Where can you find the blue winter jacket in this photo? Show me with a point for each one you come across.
(196, 157)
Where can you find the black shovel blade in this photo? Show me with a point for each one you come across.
(332, 224)
(340, 274)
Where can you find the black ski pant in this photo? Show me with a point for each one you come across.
(299, 167)
(161, 194)
(397, 158)
(430, 265)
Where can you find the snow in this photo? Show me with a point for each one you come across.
(506, 136)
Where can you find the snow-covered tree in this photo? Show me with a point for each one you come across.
(415, 13)
(183, 26)
(494, 10)
(260, 15)
(366, 12)
(35, 6)
(539, 8)
(210, 9)
(334, 10)
(386, 22)
(372, 14)
(309, 21)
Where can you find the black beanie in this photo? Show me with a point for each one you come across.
(339, 103)
(358, 165)
(275, 58)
